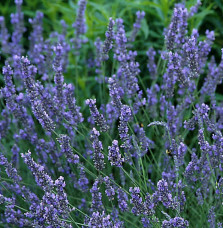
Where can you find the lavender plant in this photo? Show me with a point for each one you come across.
(149, 154)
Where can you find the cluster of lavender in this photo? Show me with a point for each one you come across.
(148, 155)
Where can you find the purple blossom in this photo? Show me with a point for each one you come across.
(33, 93)
(83, 180)
(192, 169)
(64, 141)
(138, 205)
(4, 36)
(75, 116)
(136, 26)
(163, 194)
(122, 200)
(98, 118)
(116, 93)
(182, 149)
(211, 217)
(101, 220)
(114, 156)
(191, 50)
(194, 9)
(110, 191)
(175, 222)
(98, 60)
(98, 157)
(171, 32)
(41, 177)
(36, 41)
(11, 172)
(125, 116)
(151, 63)
(17, 20)
(79, 25)
(204, 48)
(108, 41)
(149, 205)
(58, 78)
(97, 204)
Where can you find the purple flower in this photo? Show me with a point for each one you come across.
(108, 41)
(171, 32)
(125, 116)
(182, 149)
(211, 217)
(122, 200)
(139, 207)
(4, 36)
(41, 177)
(58, 78)
(37, 42)
(96, 197)
(97, 146)
(100, 220)
(192, 56)
(98, 60)
(98, 118)
(116, 93)
(74, 115)
(163, 194)
(151, 63)
(11, 172)
(17, 21)
(110, 191)
(136, 25)
(114, 155)
(194, 8)
(33, 93)
(83, 180)
(175, 222)
(79, 25)
(64, 141)
(204, 48)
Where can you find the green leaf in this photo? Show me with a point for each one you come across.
(100, 8)
(219, 97)
(145, 28)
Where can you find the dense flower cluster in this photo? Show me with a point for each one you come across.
(149, 154)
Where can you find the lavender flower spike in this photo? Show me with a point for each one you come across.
(164, 194)
(175, 222)
(79, 25)
(139, 207)
(116, 93)
(64, 141)
(114, 155)
(97, 204)
(125, 116)
(170, 36)
(41, 177)
(194, 8)
(74, 110)
(151, 63)
(108, 41)
(58, 79)
(137, 25)
(98, 118)
(4, 36)
(33, 93)
(192, 56)
(97, 146)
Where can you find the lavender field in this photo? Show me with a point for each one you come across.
(110, 121)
